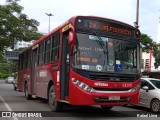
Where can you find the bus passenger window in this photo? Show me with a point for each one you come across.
(47, 51)
(40, 53)
(55, 47)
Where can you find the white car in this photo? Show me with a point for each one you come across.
(150, 94)
(9, 80)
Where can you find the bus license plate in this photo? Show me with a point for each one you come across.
(114, 98)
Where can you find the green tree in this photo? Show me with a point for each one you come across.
(147, 44)
(15, 25)
(156, 54)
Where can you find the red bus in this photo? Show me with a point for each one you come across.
(86, 61)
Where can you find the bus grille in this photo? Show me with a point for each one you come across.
(113, 78)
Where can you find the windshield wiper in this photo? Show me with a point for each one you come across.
(101, 43)
(103, 46)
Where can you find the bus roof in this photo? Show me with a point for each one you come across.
(71, 20)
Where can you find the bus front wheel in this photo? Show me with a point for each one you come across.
(54, 105)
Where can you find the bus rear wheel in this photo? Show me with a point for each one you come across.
(28, 96)
(106, 107)
(54, 105)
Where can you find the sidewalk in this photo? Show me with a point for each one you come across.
(2, 81)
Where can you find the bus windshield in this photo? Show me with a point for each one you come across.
(102, 54)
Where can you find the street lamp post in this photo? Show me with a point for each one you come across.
(137, 15)
(49, 15)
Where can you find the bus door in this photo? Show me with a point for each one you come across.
(64, 68)
(33, 65)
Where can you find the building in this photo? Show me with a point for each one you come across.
(147, 63)
(22, 44)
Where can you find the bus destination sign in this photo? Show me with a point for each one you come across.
(108, 26)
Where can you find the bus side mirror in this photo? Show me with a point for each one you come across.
(71, 38)
(71, 41)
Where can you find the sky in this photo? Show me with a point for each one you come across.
(122, 10)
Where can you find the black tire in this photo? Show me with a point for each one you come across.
(106, 107)
(54, 105)
(15, 88)
(126, 105)
(28, 96)
(155, 105)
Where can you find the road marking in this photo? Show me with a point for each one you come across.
(8, 107)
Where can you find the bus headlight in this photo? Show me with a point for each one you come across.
(82, 85)
(135, 88)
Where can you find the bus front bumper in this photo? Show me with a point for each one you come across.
(79, 97)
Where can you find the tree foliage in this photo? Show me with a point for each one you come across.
(156, 54)
(15, 25)
(147, 45)
(146, 42)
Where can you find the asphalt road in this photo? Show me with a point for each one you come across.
(15, 103)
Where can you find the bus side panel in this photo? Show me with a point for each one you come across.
(23, 77)
(43, 76)
(20, 82)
